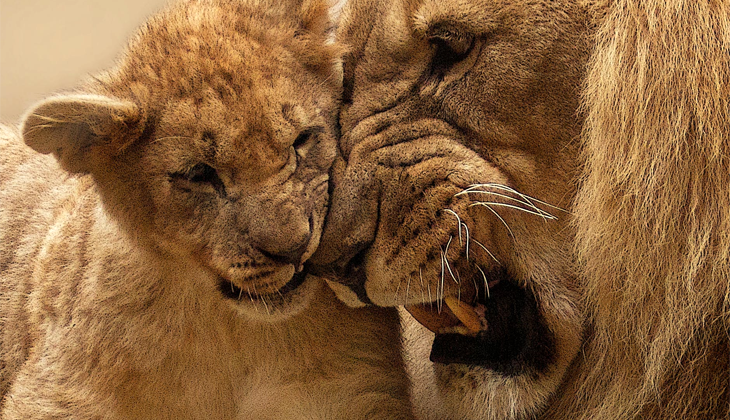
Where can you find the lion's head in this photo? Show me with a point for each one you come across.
(211, 140)
(525, 229)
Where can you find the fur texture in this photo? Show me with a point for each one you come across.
(653, 213)
(158, 275)
(606, 124)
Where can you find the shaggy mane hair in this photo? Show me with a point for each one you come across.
(653, 214)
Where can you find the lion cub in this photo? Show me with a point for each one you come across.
(162, 278)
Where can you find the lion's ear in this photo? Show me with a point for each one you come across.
(79, 128)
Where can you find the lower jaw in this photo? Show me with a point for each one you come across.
(233, 292)
(513, 338)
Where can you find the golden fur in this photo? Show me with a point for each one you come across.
(155, 276)
(653, 214)
(614, 111)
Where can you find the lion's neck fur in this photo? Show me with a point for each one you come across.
(652, 214)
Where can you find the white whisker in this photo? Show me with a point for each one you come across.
(263, 300)
(525, 201)
(496, 214)
(488, 252)
(476, 286)
(523, 195)
(408, 290)
(251, 297)
(420, 277)
(492, 203)
(531, 198)
(441, 284)
(486, 283)
(48, 119)
(446, 258)
(466, 228)
(458, 220)
(39, 127)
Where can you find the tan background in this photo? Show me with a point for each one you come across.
(50, 45)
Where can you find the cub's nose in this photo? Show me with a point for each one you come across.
(293, 256)
(284, 240)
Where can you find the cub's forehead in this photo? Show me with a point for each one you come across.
(244, 129)
(221, 85)
(251, 140)
(226, 46)
(203, 70)
(186, 62)
(251, 117)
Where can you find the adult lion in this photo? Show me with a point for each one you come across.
(545, 184)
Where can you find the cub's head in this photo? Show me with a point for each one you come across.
(211, 140)
(453, 195)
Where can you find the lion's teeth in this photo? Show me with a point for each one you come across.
(465, 313)
(459, 329)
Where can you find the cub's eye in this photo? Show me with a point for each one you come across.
(306, 134)
(200, 176)
(302, 144)
(302, 138)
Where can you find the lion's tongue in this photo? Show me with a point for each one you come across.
(455, 316)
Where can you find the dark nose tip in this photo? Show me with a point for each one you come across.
(293, 256)
(285, 244)
(281, 232)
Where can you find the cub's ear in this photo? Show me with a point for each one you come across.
(314, 16)
(81, 128)
(315, 36)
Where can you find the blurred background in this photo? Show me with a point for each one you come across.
(51, 45)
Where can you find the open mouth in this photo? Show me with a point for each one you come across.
(497, 326)
(231, 291)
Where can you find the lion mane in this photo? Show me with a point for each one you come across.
(653, 214)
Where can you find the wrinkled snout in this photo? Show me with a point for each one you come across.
(281, 231)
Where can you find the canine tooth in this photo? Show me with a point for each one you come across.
(459, 329)
(465, 313)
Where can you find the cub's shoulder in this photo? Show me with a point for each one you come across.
(14, 154)
(12, 149)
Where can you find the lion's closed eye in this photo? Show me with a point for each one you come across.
(450, 46)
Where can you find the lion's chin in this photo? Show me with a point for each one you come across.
(274, 306)
(501, 330)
